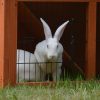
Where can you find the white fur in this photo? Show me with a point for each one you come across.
(52, 53)
(49, 50)
(30, 69)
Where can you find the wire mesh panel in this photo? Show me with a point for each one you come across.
(28, 69)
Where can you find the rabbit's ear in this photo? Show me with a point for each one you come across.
(47, 30)
(60, 30)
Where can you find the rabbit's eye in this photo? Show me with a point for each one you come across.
(57, 46)
(47, 46)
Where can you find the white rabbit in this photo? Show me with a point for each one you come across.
(46, 54)
(26, 69)
(50, 50)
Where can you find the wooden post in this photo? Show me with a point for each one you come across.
(1, 41)
(91, 40)
(8, 41)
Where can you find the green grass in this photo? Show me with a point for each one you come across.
(89, 90)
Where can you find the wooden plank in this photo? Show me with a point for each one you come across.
(28, 23)
(37, 83)
(1, 41)
(55, 0)
(91, 40)
(8, 37)
(98, 0)
(52, 84)
(67, 56)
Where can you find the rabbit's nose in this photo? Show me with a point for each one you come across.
(51, 57)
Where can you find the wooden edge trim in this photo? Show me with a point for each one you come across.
(54, 0)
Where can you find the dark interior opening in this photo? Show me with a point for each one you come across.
(98, 43)
(30, 30)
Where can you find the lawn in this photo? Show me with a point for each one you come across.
(68, 90)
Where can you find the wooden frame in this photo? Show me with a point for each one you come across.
(91, 41)
(55, 0)
(8, 38)
(59, 0)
